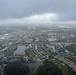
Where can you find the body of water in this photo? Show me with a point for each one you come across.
(4, 49)
(20, 50)
(32, 66)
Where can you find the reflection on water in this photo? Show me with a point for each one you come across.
(20, 50)
(32, 66)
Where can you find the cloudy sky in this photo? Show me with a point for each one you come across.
(37, 11)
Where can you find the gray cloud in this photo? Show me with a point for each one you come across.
(66, 9)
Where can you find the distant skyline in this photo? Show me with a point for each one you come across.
(37, 11)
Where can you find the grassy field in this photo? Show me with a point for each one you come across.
(47, 50)
(62, 66)
(32, 54)
(10, 50)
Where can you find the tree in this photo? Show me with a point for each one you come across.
(49, 68)
(16, 68)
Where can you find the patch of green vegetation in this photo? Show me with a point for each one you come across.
(32, 54)
(35, 71)
(71, 48)
(61, 65)
(10, 50)
(16, 68)
(43, 47)
(72, 58)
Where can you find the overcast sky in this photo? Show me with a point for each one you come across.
(25, 11)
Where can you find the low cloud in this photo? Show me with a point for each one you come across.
(39, 18)
(47, 17)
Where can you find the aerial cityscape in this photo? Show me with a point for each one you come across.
(35, 44)
(37, 37)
